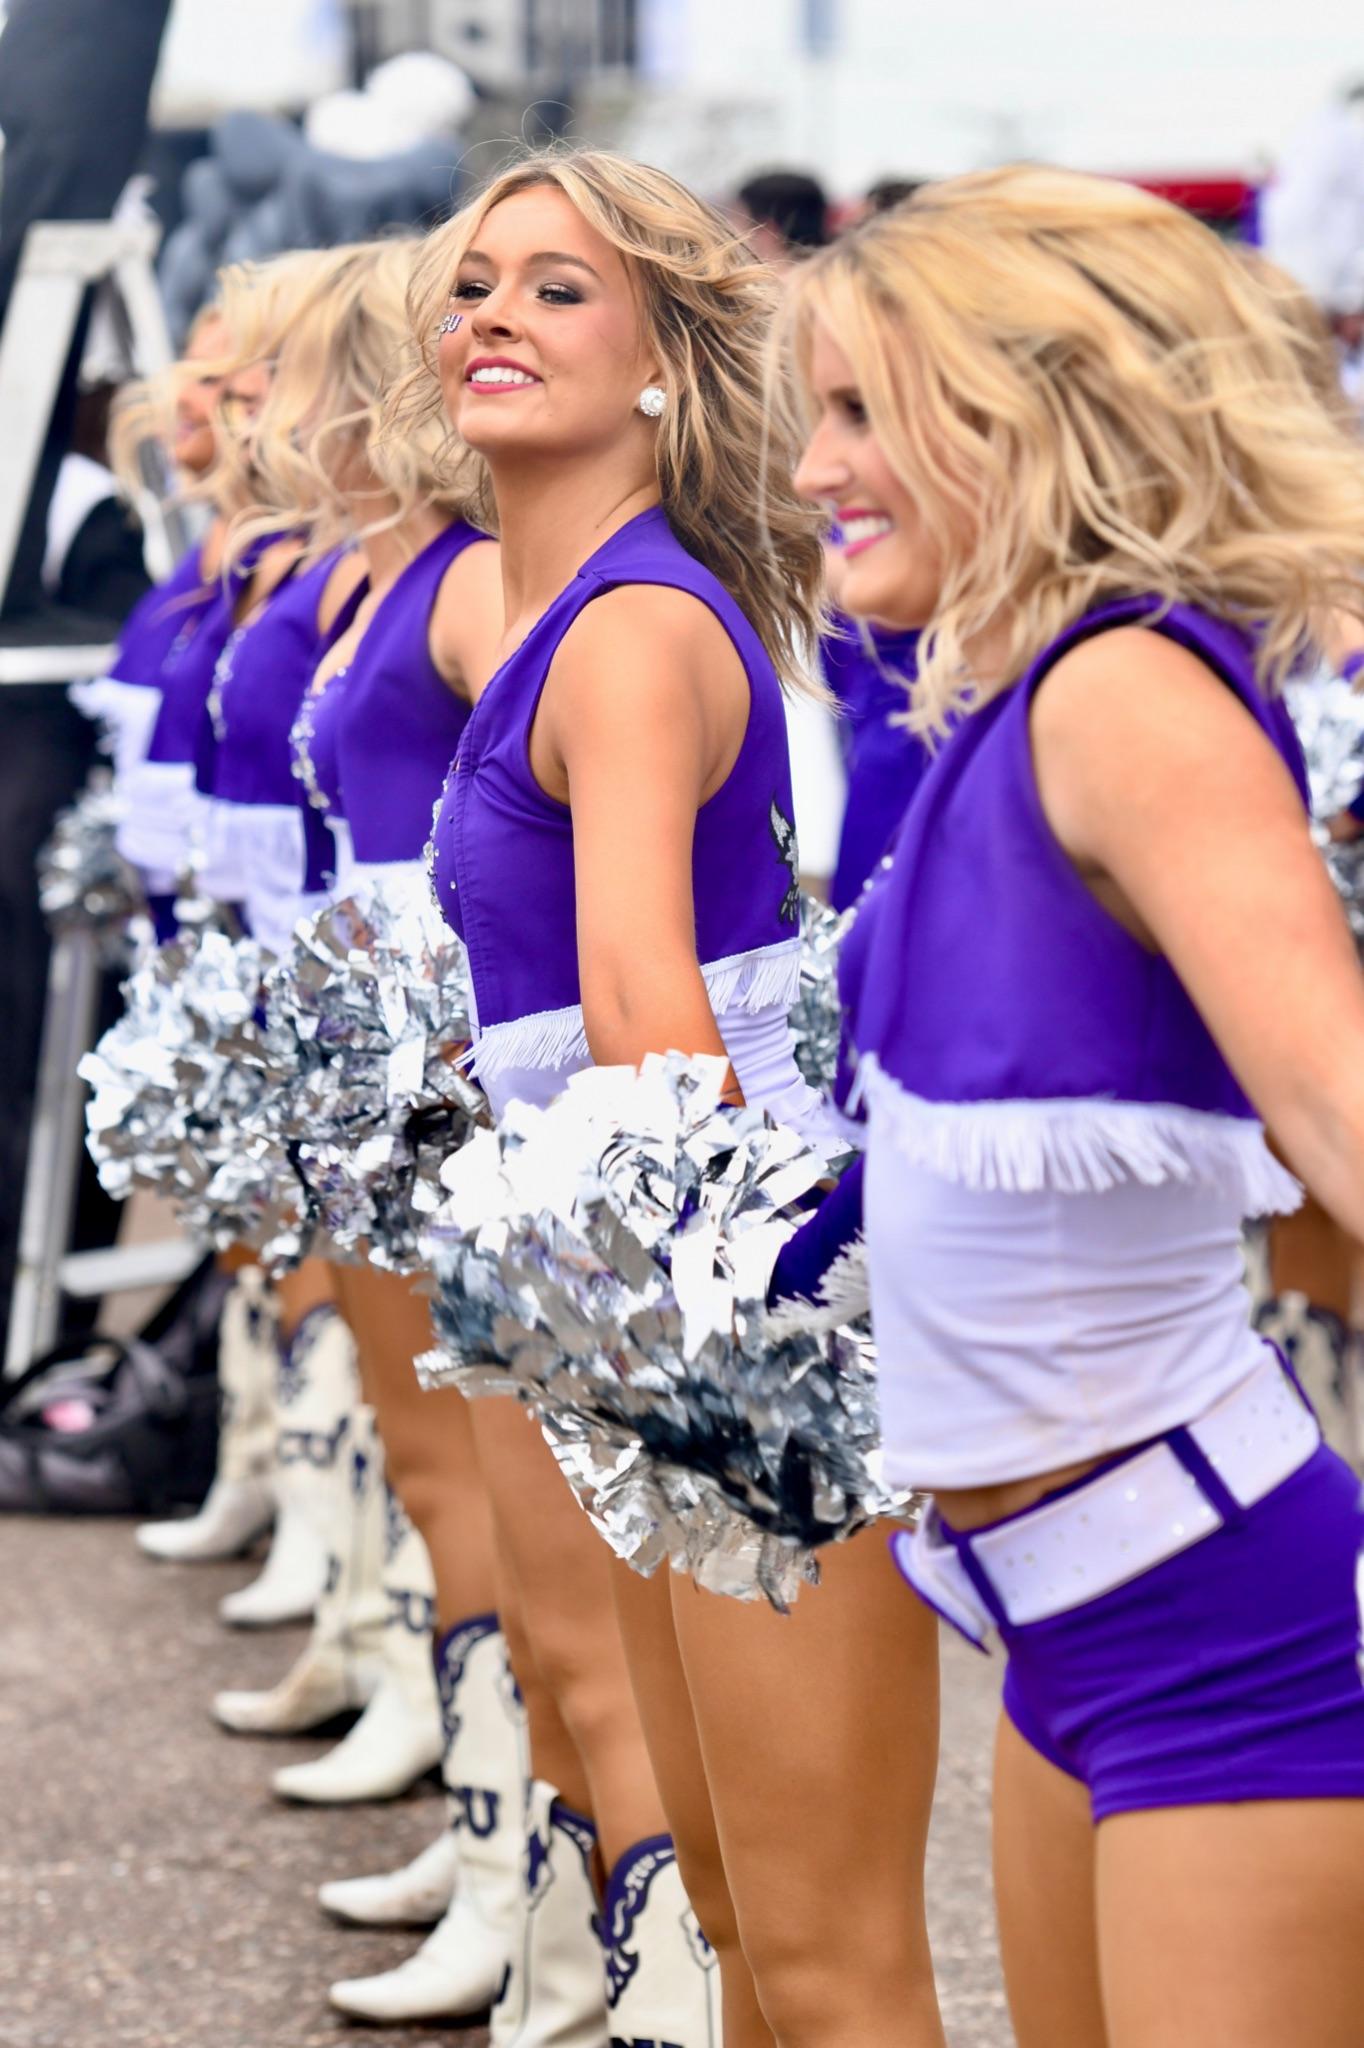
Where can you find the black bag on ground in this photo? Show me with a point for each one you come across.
(104, 1426)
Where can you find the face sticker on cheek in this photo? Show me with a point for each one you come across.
(451, 324)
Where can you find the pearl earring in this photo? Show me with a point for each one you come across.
(652, 401)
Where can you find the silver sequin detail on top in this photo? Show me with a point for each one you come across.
(301, 739)
(429, 851)
(222, 676)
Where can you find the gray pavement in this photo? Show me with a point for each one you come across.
(154, 1895)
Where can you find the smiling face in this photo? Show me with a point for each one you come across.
(890, 564)
(193, 444)
(544, 351)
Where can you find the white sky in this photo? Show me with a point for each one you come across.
(942, 85)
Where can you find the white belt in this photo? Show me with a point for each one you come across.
(1122, 1522)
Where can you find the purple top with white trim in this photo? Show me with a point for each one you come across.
(391, 726)
(262, 674)
(982, 979)
(502, 850)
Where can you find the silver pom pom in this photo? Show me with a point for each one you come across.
(817, 1014)
(84, 883)
(608, 1259)
(1329, 716)
(173, 1083)
(367, 1022)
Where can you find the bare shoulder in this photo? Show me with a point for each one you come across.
(467, 616)
(1130, 666)
(1131, 727)
(1134, 693)
(646, 639)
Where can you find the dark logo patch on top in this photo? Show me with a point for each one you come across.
(784, 838)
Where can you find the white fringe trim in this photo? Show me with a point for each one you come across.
(552, 1039)
(843, 1294)
(1081, 1145)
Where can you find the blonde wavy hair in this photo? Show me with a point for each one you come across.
(707, 306)
(318, 429)
(1087, 396)
(142, 418)
(259, 303)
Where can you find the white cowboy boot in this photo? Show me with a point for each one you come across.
(342, 1662)
(662, 1978)
(553, 1995)
(240, 1505)
(398, 1737)
(317, 1393)
(459, 1967)
(417, 1894)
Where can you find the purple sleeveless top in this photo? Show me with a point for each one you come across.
(1012, 1033)
(164, 615)
(391, 725)
(884, 763)
(188, 675)
(502, 850)
(127, 702)
(244, 757)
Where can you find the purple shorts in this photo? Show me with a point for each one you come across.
(1231, 1671)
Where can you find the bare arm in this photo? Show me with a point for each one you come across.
(1183, 820)
(640, 720)
(466, 620)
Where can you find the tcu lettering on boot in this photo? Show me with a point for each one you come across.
(476, 1809)
(316, 1447)
(416, 1612)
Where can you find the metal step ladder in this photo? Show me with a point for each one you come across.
(61, 261)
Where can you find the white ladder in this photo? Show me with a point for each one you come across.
(61, 260)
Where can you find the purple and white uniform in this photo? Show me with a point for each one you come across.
(373, 745)
(502, 861)
(159, 792)
(126, 701)
(257, 845)
(1059, 1161)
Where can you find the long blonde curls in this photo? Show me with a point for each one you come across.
(707, 306)
(258, 303)
(1087, 395)
(317, 433)
(142, 418)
